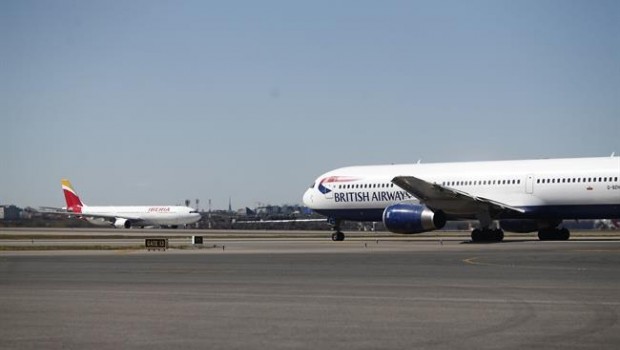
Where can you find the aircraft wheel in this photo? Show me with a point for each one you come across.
(337, 236)
(498, 235)
(542, 235)
(545, 235)
(476, 235)
(564, 234)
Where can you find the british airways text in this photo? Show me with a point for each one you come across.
(383, 196)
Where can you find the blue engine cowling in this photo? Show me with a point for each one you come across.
(412, 218)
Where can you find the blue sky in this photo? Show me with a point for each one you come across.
(153, 102)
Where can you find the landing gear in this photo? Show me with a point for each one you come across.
(554, 234)
(338, 235)
(487, 235)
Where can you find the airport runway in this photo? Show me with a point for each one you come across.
(313, 294)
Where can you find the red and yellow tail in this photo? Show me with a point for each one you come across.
(74, 203)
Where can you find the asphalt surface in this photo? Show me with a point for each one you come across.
(310, 294)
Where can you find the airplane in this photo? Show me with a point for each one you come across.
(523, 196)
(126, 216)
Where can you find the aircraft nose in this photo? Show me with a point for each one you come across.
(307, 199)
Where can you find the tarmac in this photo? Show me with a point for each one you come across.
(307, 292)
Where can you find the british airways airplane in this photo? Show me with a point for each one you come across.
(524, 196)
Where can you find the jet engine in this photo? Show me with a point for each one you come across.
(412, 218)
(122, 223)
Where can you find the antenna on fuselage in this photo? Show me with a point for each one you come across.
(613, 154)
(419, 161)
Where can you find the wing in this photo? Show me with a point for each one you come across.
(449, 199)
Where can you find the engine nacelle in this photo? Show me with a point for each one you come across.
(122, 223)
(412, 218)
(519, 225)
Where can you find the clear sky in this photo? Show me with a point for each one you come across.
(153, 102)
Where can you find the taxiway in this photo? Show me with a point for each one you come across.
(311, 293)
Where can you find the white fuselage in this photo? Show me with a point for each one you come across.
(146, 215)
(577, 188)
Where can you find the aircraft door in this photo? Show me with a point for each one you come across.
(529, 184)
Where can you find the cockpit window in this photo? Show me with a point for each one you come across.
(193, 212)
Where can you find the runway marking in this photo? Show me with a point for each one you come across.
(474, 261)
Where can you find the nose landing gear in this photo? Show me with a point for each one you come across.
(338, 235)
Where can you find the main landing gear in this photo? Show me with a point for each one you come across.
(554, 234)
(487, 235)
(338, 235)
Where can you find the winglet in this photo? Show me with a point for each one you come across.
(74, 203)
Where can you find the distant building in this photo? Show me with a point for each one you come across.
(10, 212)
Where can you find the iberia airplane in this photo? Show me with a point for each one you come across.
(524, 196)
(127, 216)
